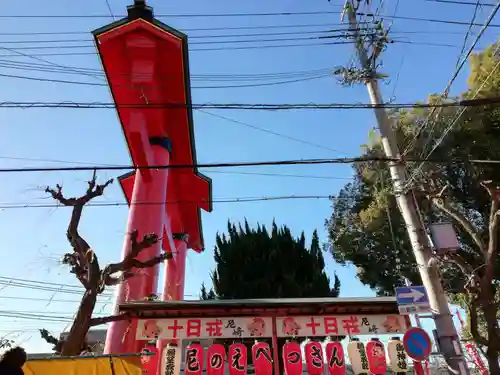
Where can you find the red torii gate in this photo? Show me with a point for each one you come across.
(147, 68)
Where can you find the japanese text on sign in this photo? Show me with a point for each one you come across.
(313, 326)
(204, 328)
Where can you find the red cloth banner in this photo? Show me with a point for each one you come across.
(216, 356)
(262, 360)
(375, 352)
(194, 359)
(237, 359)
(314, 358)
(292, 358)
(335, 360)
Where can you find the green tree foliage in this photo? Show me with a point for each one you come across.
(255, 263)
(366, 227)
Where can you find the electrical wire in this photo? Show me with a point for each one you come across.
(268, 131)
(14, 205)
(224, 28)
(193, 15)
(40, 79)
(461, 2)
(233, 48)
(469, 30)
(254, 106)
(450, 83)
(205, 171)
(352, 160)
(452, 124)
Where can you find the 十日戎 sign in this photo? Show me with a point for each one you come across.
(287, 326)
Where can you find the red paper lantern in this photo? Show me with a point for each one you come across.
(314, 358)
(292, 358)
(335, 360)
(149, 361)
(262, 362)
(237, 359)
(216, 356)
(375, 353)
(194, 359)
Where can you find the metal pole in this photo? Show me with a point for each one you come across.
(449, 343)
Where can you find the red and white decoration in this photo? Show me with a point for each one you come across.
(194, 359)
(171, 360)
(262, 359)
(216, 356)
(335, 361)
(149, 360)
(375, 352)
(292, 358)
(314, 358)
(237, 359)
(357, 356)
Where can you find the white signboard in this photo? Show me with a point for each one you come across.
(337, 325)
(203, 328)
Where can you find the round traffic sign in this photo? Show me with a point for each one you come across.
(417, 344)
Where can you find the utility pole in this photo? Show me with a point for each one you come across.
(449, 342)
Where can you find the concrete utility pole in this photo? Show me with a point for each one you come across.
(449, 342)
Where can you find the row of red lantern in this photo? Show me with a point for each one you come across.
(364, 358)
(369, 358)
(236, 356)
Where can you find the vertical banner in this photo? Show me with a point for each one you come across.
(216, 356)
(375, 352)
(292, 358)
(171, 360)
(237, 359)
(194, 359)
(314, 358)
(262, 360)
(335, 361)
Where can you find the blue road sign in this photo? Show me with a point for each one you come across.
(417, 344)
(411, 295)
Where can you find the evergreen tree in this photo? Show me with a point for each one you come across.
(253, 263)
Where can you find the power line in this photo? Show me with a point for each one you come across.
(450, 83)
(40, 79)
(274, 14)
(454, 121)
(430, 20)
(275, 40)
(460, 2)
(6, 206)
(225, 28)
(271, 132)
(351, 160)
(255, 106)
(206, 171)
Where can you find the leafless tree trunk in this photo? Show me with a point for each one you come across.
(84, 264)
(480, 287)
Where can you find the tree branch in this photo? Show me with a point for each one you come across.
(83, 261)
(108, 319)
(441, 203)
(473, 322)
(489, 254)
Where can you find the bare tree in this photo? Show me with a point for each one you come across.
(479, 268)
(84, 264)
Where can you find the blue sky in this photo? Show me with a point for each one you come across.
(33, 239)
